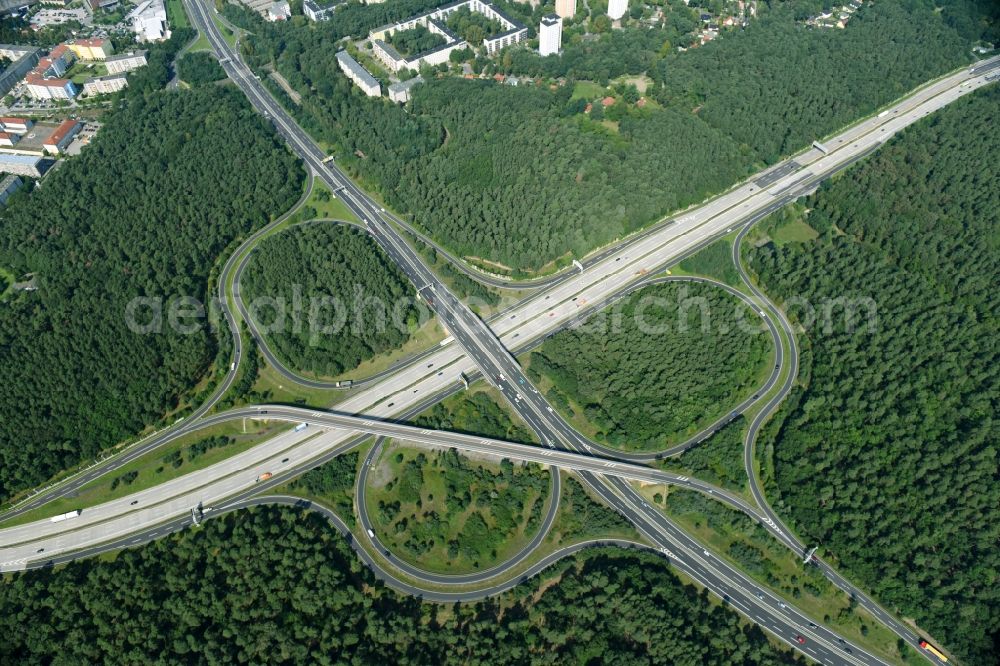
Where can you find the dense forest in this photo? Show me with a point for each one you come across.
(677, 357)
(169, 181)
(328, 298)
(200, 67)
(234, 591)
(888, 454)
(521, 175)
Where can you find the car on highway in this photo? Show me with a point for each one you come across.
(800, 639)
(264, 477)
(371, 535)
(133, 502)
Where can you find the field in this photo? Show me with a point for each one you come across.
(322, 205)
(443, 511)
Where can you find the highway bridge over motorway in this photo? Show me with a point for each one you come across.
(481, 349)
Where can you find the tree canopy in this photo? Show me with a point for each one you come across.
(665, 363)
(234, 590)
(369, 306)
(146, 209)
(888, 453)
(522, 176)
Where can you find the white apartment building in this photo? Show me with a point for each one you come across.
(126, 62)
(435, 21)
(550, 35)
(314, 11)
(617, 9)
(362, 77)
(105, 85)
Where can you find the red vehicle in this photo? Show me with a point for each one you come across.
(265, 476)
(800, 639)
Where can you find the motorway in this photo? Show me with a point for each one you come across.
(494, 361)
(564, 302)
(482, 348)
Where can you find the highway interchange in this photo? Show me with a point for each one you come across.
(481, 349)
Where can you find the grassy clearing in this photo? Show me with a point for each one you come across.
(735, 537)
(274, 387)
(326, 206)
(200, 44)
(587, 90)
(443, 511)
(187, 454)
(176, 14)
(7, 280)
(794, 231)
(714, 261)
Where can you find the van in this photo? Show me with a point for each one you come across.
(371, 535)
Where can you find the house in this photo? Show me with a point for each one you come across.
(279, 11)
(607, 101)
(8, 139)
(149, 21)
(61, 138)
(16, 125)
(362, 77)
(23, 165)
(49, 88)
(400, 92)
(316, 11)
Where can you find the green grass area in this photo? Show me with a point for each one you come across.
(227, 34)
(794, 231)
(582, 516)
(751, 548)
(274, 387)
(81, 71)
(184, 455)
(200, 44)
(443, 511)
(428, 335)
(714, 261)
(326, 206)
(587, 90)
(176, 14)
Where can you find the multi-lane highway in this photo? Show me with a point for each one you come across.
(476, 346)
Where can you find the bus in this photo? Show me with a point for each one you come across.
(933, 650)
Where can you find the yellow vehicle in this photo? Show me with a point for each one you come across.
(934, 651)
